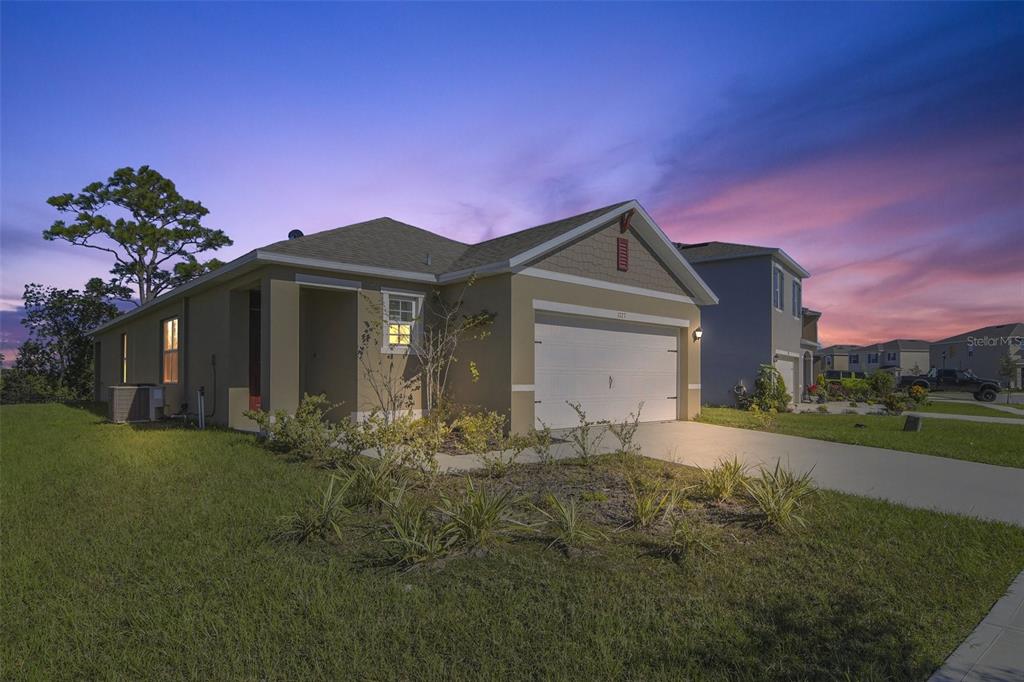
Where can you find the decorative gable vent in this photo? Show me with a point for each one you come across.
(622, 253)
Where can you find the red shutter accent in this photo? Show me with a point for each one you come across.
(622, 253)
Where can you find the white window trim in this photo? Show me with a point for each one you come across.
(777, 274)
(417, 327)
(797, 294)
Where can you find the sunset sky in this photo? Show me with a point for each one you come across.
(882, 146)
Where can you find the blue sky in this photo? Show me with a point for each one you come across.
(880, 145)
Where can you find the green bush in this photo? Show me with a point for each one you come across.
(477, 519)
(478, 432)
(306, 433)
(779, 495)
(882, 384)
(724, 480)
(895, 403)
(856, 389)
(770, 390)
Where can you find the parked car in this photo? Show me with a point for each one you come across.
(965, 380)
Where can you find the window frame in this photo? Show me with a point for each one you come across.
(855, 359)
(875, 356)
(778, 289)
(415, 333)
(176, 351)
(124, 358)
(798, 298)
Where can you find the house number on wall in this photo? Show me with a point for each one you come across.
(621, 316)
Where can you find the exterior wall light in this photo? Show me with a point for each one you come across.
(697, 334)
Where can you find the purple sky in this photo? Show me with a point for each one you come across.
(882, 146)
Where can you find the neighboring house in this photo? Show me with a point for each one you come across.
(809, 345)
(759, 318)
(835, 357)
(599, 309)
(898, 357)
(982, 351)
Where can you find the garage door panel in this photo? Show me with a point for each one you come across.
(607, 366)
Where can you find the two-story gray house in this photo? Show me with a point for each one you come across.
(759, 319)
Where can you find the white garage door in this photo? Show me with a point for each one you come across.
(787, 368)
(607, 366)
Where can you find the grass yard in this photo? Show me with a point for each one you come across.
(1001, 444)
(144, 553)
(964, 408)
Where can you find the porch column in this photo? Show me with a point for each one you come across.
(279, 361)
(689, 372)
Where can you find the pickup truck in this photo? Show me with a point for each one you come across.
(965, 380)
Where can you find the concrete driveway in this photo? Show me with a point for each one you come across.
(924, 481)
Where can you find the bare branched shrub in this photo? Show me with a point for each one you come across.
(586, 437)
(625, 432)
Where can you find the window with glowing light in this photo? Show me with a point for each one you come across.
(169, 352)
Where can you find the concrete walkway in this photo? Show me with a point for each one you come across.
(1008, 409)
(995, 650)
(864, 409)
(914, 480)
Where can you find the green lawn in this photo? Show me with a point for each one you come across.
(967, 409)
(1001, 444)
(143, 553)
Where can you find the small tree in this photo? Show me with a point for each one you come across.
(770, 389)
(445, 326)
(1008, 369)
(58, 351)
(153, 233)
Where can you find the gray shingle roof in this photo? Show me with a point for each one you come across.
(696, 253)
(388, 243)
(1010, 329)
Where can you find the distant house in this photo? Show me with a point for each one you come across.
(834, 357)
(898, 357)
(982, 351)
(760, 318)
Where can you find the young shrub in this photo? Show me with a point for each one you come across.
(650, 503)
(882, 384)
(625, 432)
(764, 420)
(479, 432)
(505, 458)
(477, 519)
(306, 434)
(856, 389)
(542, 442)
(770, 390)
(410, 536)
(895, 403)
(587, 437)
(779, 495)
(689, 538)
(422, 440)
(320, 517)
(563, 521)
(723, 481)
(917, 395)
(353, 439)
(823, 409)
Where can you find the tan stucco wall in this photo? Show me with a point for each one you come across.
(595, 256)
(492, 355)
(328, 341)
(526, 289)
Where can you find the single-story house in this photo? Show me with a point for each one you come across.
(599, 308)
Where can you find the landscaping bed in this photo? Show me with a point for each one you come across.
(988, 443)
(147, 552)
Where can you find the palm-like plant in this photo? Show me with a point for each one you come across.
(724, 480)
(779, 495)
(477, 518)
(568, 528)
(321, 516)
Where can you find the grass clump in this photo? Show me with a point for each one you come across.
(724, 481)
(563, 521)
(650, 503)
(319, 519)
(477, 519)
(689, 537)
(779, 495)
(410, 536)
